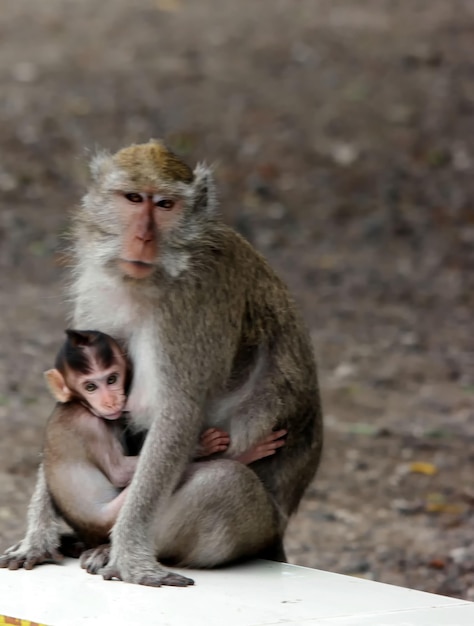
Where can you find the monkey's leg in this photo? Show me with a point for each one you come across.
(219, 514)
(42, 538)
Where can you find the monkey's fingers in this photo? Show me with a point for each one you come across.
(176, 580)
(271, 445)
(255, 454)
(13, 558)
(209, 431)
(27, 559)
(277, 434)
(111, 574)
(152, 578)
(49, 556)
(213, 448)
(95, 559)
(220, 440)
(213, 434)
(267, 447)
(211, 441)
(168, 579)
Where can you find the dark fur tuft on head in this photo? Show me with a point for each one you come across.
(74, 356)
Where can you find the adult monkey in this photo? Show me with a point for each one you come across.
(216, 342)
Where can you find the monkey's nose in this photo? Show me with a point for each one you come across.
(145, 237)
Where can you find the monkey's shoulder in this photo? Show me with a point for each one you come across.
(72, 419)
(248, 268)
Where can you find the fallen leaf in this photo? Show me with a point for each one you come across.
(362, 428)
(436, 503)
(172, 6)
(454, 509)
(438, 433)
(420, 467)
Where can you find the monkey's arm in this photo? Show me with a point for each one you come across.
(120, 470)
(161, 465)
(105, 450)
(42, 537)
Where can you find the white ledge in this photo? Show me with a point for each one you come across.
(259, 593)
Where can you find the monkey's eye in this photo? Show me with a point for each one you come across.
(112, 379)
(166, 204)
(90, 387)
(133, 197)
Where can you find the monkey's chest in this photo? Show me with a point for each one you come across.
(106, 306)
(148, 387)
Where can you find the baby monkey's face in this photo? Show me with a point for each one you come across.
(103, 389)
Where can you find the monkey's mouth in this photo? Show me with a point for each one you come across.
(137, 263)
(113, 416)
(136, 269)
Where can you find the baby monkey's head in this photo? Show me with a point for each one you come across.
(91, 368)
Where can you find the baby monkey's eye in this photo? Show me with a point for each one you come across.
(134, 197)
(90, 387)
(166, 204)
(112, 379)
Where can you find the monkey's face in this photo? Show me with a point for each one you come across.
(146, 218)
(102, 390)
(145, 208)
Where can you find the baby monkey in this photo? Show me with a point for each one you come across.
(90, 455)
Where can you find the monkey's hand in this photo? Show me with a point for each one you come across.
(266, 447)
(37, 547)
(42, 539)
(211, 441)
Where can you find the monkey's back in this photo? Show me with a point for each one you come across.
(271, 325)
(77, 486)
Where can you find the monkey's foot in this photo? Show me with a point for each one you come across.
(96, 558)
(97, 561)
(27, 554)
(150, 576)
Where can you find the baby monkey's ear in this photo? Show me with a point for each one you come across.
(57, 385)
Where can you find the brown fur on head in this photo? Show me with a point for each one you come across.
(148, 166)
(151, 162)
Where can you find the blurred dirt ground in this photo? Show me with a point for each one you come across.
(343, 139)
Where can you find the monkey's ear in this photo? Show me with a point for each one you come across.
(77, 337)
(205, 200)
(99, 165)
(57, 385)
